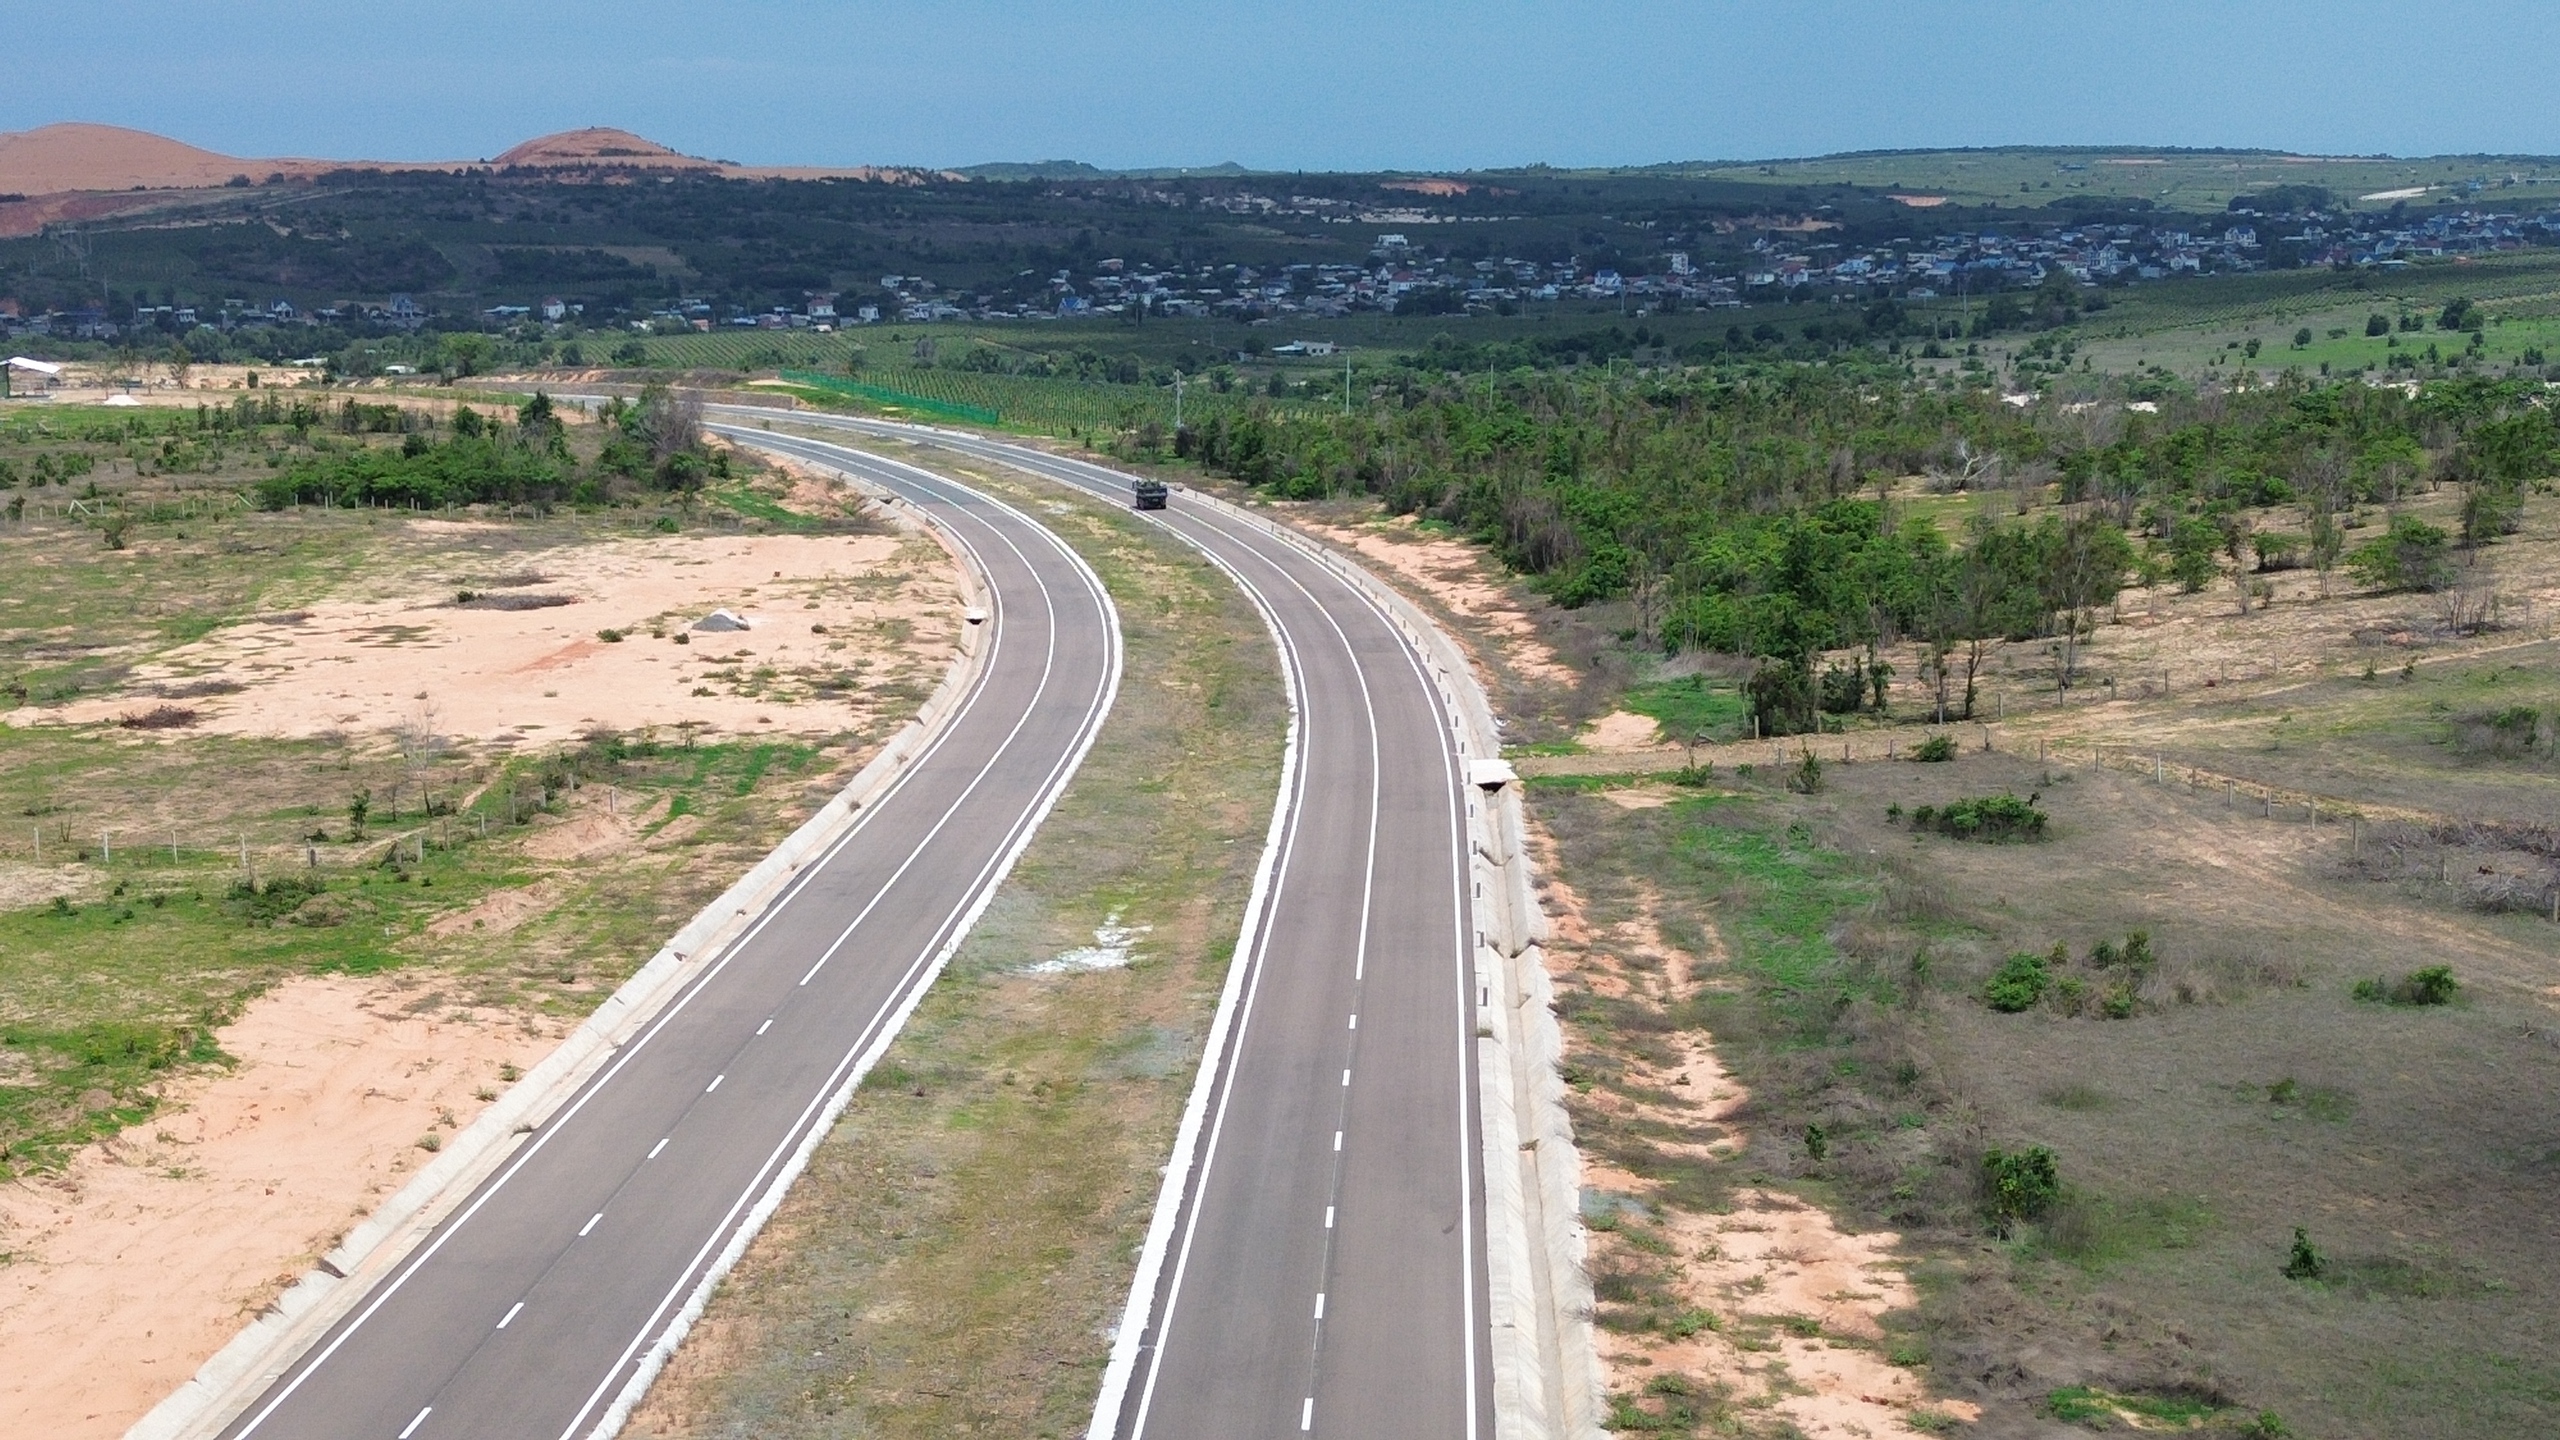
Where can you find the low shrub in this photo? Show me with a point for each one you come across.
(2431, 985)
(275, 898)
(1934, 749)
(2019, 1185)
(158, 717)
(2018, 984)
(1987, 818)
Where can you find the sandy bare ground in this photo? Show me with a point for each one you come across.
(377, 658)
(131, 1268)
(1463, 579)
(1771, 1259)
(1620, 731)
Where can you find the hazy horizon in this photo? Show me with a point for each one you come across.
(1320, 86)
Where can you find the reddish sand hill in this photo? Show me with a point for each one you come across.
(86, 172)
(598, 145)
(56, 158)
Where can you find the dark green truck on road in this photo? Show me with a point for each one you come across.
(1147, 495)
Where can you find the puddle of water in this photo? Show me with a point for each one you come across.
(1114, 945)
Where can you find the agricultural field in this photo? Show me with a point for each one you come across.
(2204, 180)
(2195, 330)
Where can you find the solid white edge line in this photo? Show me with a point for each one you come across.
(658, 1354)
(1204, 1162)
(1138, 1314)
(303, 1366)
(1016, 456)
(1109, 1401)
(990, 876)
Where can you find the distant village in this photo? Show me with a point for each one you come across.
(1407, 275)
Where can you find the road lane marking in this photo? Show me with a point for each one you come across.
(1355, 1022)
(767, 1025)
(1337, 1142)
(1288, 645)
(884, 1027)
(1319, 1304)
(729, 952)
(714, 1085)
(1328, 1217)
(661, 1145)
(590, 1225)
(1346, 1079)
(512, 1311)
(1306, 1415)
(421, 1418)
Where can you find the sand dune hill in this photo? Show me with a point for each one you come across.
(598, 145)
(56, 158)
(53, 162)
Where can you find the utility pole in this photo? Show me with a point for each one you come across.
(1177, 402)
(1346, 387)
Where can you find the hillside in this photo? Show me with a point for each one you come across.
(599, 145)
(55, 158)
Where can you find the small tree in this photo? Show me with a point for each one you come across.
(2304, 1261)
(1807, 776)
(2411, 555)
(2085, 560)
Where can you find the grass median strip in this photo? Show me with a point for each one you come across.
(956, 1254)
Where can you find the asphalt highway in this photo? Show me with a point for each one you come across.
(542, 1306)
(1323, 1271)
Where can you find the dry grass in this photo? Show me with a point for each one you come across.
(953, 1260)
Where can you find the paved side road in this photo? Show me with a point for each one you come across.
(1320, 1266)
(544, 1304)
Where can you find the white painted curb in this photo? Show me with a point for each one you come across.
(225, 1385)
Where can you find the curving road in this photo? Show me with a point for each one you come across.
(1317, 1264)
(543, 1306)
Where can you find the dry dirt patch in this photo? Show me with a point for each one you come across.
(367, 662)
(1620, 731)
(1462, 579)
(132, 1267)
(1796, 1298)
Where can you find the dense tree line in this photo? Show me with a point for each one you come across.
(1752, 513)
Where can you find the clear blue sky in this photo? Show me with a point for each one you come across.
(1312, 84)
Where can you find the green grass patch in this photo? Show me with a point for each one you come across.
(2096, 1232)
(1789, 888)
(2092, 1405)
(1691, 705)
